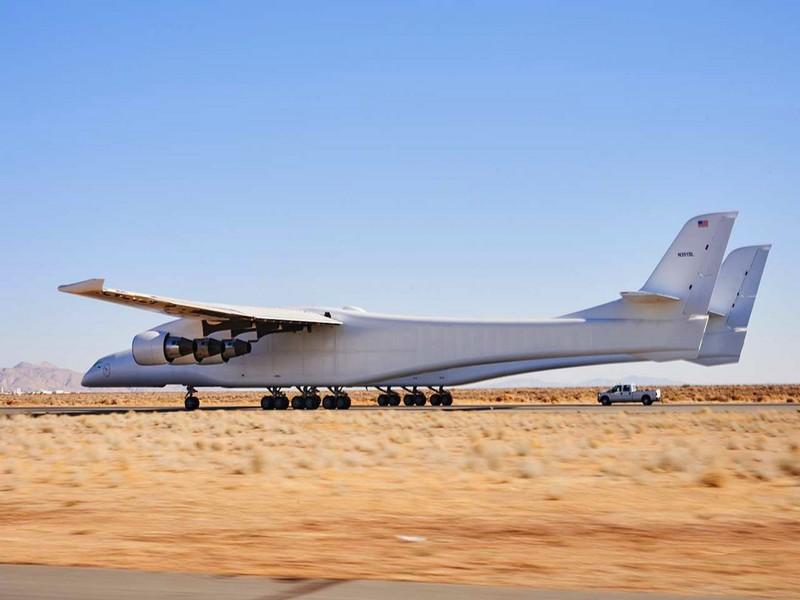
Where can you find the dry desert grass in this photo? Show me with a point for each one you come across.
(573, 395)
(698, 502)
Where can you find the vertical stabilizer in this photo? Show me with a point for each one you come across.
(731, 305)
(683, 281)
(689, 268)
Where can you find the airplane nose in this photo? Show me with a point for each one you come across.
(90, 377)
(97, 373)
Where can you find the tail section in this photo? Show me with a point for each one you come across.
(731, 305)
(689, 268)
(683, 281)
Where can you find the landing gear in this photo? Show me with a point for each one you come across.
(277, 400)
(190, 401)
(338, 400)
(388, 397)
(309, 399)
(441, 398)
(414, 398)
(312, 402)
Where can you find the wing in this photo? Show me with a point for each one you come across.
(215, 317)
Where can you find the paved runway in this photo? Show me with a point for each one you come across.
(32, 582)
(544, 408)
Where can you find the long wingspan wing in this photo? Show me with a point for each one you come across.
(216, 313)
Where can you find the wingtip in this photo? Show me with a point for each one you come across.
(79, 287)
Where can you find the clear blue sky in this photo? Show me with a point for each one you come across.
(442, 158)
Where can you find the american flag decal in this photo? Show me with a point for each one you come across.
(702, 223)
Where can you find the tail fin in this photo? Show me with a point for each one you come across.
(731, 305)
(683, 281)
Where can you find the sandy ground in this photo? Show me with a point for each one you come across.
(694, 503)
(671, 394)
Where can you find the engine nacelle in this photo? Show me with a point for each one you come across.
(159, 348)
(234, 348)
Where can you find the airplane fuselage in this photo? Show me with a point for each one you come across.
(370, 349)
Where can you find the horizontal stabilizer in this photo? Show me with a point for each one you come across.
(648, 297)
(93, 288)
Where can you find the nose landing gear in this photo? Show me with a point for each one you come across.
(190, 401)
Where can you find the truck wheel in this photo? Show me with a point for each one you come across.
(647, 400)
(605, 401)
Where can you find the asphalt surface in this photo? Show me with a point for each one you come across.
(544, 408)
(33, 582)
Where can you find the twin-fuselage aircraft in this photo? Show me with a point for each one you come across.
(692, 307)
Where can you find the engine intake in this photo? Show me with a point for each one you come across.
(159, 348)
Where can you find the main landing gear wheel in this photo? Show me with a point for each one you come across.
(190, 401)
(298, 403)
(441, 398)
(388, 398)
(343, 402)
(312, 402)
(329, 402)
(275, 402)
(414, 399)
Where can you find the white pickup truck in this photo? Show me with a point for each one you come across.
(628, 393)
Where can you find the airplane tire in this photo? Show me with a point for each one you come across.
(298, 403)
(409, 400)
(191, 403)
(419, 399)
(281, 403)
(329, 402)
(343, 402)
(267, 403)
(312, 402)
(447, 399)
(435, 399)
(394, 399)
(383, 400)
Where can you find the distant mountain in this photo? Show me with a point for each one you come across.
(28, 377)
(637, 379)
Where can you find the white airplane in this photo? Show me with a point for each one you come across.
(337, 348)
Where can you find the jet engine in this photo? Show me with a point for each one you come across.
(159, 348)
(211, 351)
(234, 348)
